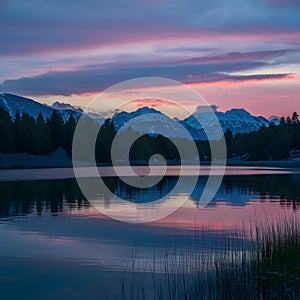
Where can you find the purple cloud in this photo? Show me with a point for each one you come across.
(238, 56)
(194, 41)
(96, 80)
(29, 27)
(236, 78)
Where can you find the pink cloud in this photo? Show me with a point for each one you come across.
(265, 98)
(151, 102)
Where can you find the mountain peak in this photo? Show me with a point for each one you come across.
(14, 103)
(120, 118)
(66, 106)
(147, 110)
(240, 111)
(238, 120)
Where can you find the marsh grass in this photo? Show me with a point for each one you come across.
(264, 264)
(277, 258)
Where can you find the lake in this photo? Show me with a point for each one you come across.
(56, 245)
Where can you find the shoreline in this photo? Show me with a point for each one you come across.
(266, 163)
(9, 175)
(60, 159)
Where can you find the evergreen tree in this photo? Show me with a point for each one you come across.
(295, 118)
(282, 120)
(55, 124)
(69, 129)
(104, 141)
(42, 143)
(6, 132)
(141, 149)
(17, 131)
(229, 143)
(26, 134)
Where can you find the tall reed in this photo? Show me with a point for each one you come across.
(264, 264)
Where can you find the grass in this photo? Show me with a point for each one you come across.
(264, 264)
(277, 258)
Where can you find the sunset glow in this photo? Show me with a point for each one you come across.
(234, 53)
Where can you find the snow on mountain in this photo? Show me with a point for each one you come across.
(121, 118)
(67, 109)
(66, 106)
(66, 113)
(275, 120)
(13, 104)
(62, 107)
(149, 120)
(237, 120)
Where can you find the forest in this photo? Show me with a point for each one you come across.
(24, 134)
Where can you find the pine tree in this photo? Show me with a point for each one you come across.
(141, 149)
(43, 143)
(69, 129)
(104, 141)
(27, 134)
(17, 132)
(55, 124)
(6, 132)
(295, 118)
(229, 142)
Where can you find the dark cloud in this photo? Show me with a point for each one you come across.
(236, 78)
(205, 108)
(42, 26)
(32, 27)
(96, 80)
(238, 56)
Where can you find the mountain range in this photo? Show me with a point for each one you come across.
(13, 104)
(237, 120)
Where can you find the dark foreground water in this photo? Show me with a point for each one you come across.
(55, 245)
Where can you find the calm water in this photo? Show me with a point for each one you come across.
(55, 245)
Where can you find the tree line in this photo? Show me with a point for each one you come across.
(24, 134)
(269, 143)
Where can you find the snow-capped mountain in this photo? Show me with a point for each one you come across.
(150, 120)
(147, 120)
(66, 106)
(198, 124)
(13, 104)
(237, 120)
(121, 118)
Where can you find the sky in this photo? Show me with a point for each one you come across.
(235, 53)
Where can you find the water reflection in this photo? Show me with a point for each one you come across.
(81, 245)
(285, 188)
(24, 197)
